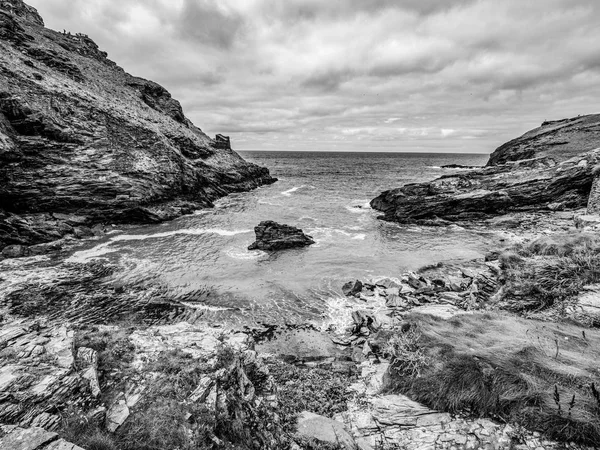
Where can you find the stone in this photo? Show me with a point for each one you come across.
(116, 415)
(352, 288)
(587, 222)
(87, 361)
(387, 283)
(272, 236)
(202, 391)
(314, 426)
(395, 301)
(14, 251)
(26, 439)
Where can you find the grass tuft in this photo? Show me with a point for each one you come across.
(504, 368)
(549, 271)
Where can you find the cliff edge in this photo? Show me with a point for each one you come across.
(83, 142)
(551, 167)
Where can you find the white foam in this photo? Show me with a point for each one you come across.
(103, 249)
(265, 202)
(244, 254)
(289, 192)
(329, 232)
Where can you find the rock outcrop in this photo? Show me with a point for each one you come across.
(559, 140)
(529, 184)
(80, 137)
(273, 236)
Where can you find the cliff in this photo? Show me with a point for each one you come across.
(551, 167)
(558, 139)
(84, 142)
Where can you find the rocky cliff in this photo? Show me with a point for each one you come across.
(558, 139)
(551, 167)
(83, 142)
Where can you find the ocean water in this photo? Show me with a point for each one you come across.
(202, 259)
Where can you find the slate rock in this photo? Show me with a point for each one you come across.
(352, 288)
(314, 426)
(271, 236)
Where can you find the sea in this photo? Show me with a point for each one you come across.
(202, 259)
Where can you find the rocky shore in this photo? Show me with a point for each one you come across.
(84, 143)
(551, 168)
(493, 353)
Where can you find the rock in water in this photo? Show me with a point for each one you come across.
(81, 137)
(352, 288)
(273, 236)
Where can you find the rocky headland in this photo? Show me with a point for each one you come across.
(551, 168)
(82, 142)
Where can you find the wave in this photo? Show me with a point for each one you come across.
(289, 192)
(329, 232)
(237, 253)
(103, 249)
(265, 202)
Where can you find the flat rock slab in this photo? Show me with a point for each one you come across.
(441, 311)
(300, 345)
(314, 426)
(26, 439)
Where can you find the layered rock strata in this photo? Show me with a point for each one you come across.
(531, 184)
(84, 142)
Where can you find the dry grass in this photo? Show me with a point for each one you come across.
(549, 271)
(516, 371)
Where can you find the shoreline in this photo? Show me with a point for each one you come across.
(317, 348)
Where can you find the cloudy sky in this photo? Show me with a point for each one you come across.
(380, 75)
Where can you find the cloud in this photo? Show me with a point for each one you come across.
(440, 75)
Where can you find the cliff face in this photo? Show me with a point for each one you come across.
(559, 140)
(82, 141)
(551, 167)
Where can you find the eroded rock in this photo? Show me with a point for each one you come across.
(273, 236)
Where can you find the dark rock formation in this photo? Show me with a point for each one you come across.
(273, 236)
(544, 169)
(79, 136)
(352, 288)
(559, 140)
(524, 185)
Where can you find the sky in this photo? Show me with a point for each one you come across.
(355, 75)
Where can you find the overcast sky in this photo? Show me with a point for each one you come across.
(381, 75)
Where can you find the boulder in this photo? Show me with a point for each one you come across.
(271, 236)
(352, 288)
(313, 426)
